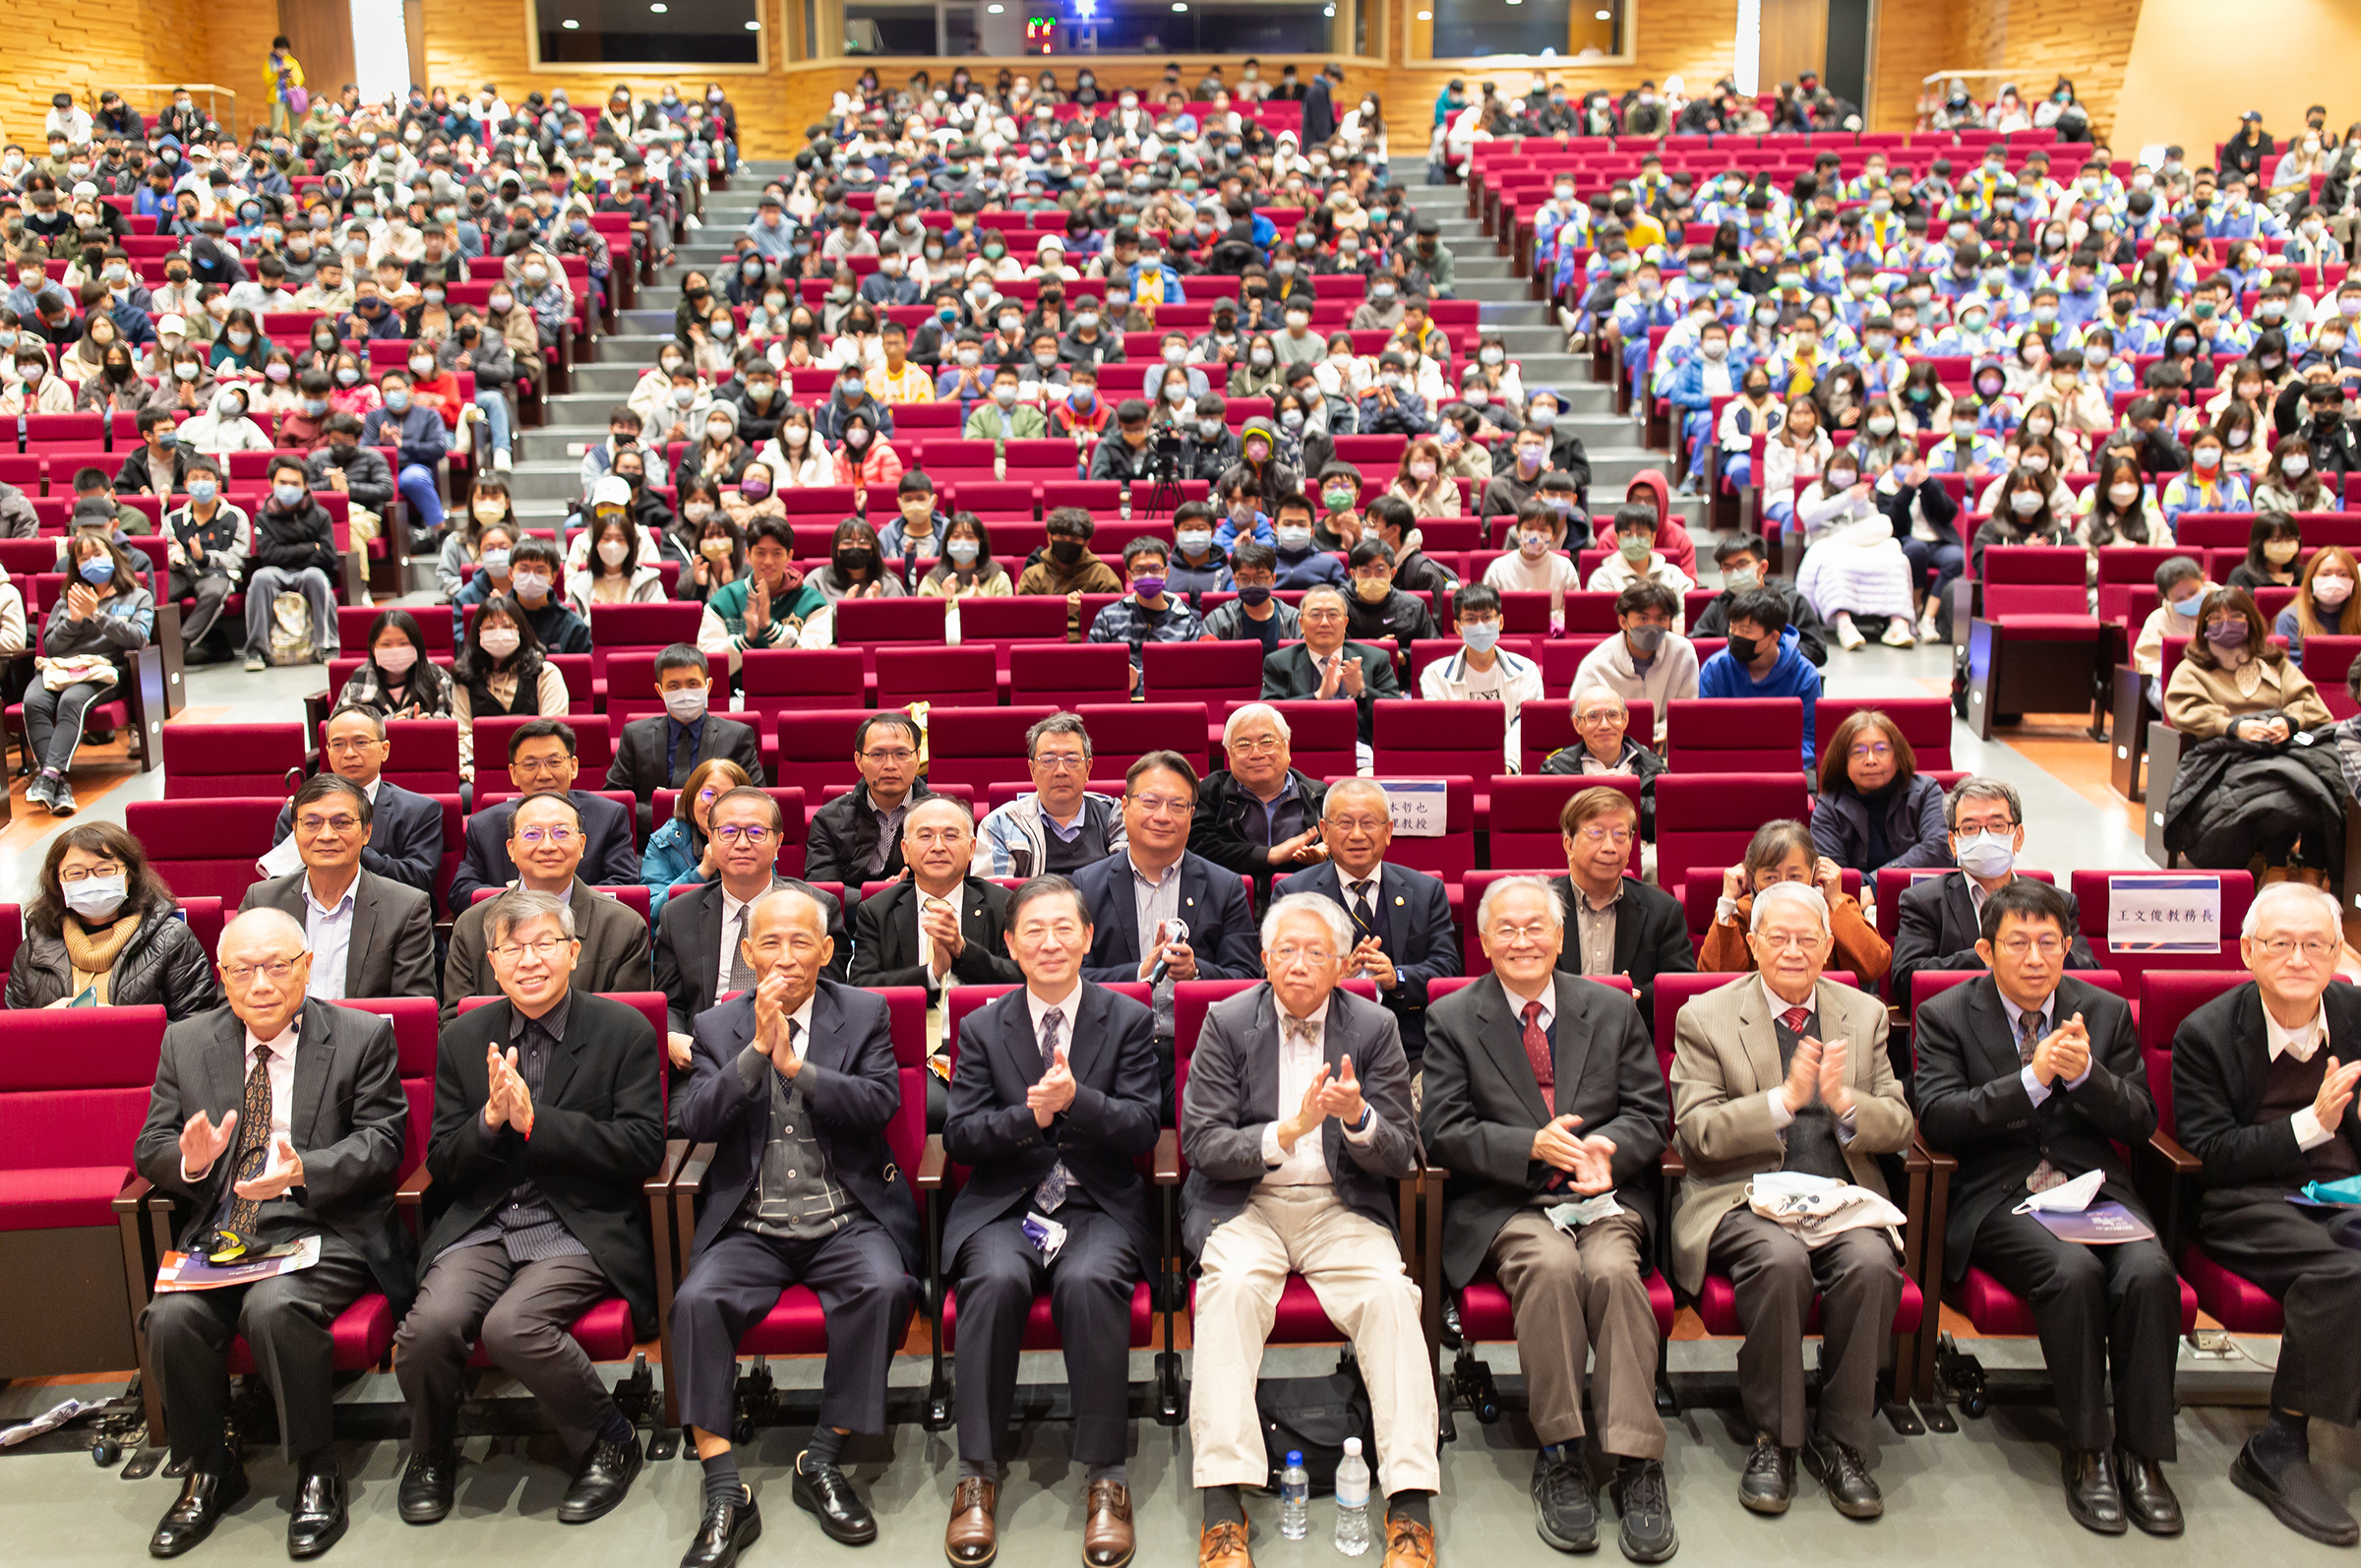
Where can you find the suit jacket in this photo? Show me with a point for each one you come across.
(1939, 931)
(391, 952)
(688, 954)
(1221, 926)
(1218, 829)
(1482, 1105)
(614, 955)
(848, 1079)
(598, 1134)
(405, 836)
(1725, 1066)
(610, 859)
(1652, 937)
(1233, 1094)
(1413, 926)
(638, 761)
(885, 939)
(2220, 1056)
(1290, 675)
(346, 1117)
(1973, 1103)
(1118, 1105)
(844, 834)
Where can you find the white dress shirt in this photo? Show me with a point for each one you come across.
(1299, 1062)
(279, 1063)
(330, 929)
(2301, 1043)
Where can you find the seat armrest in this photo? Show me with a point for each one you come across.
(1168, 1157)
(1924, 1157)
(2183, 1162)
(412, 1190)
(676, 1150)
(1672, 1168)
(136, 1190)
(692, 1171)
(932, 1164)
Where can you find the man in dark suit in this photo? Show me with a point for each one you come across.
(1054, 1096)
(1319, 111)
(1258, 816)
(545, 844)
(857, 839)
(2263, 1083)
(939, 926)
(406, 830)
(1404, 917)
(699, 954)
(369, 936)
(1325, 665)
(1617, 925)
(2030, 1079)
(1298, 1121)
(661, 751)
(278, 1117)
(1942, 916)
(795, 1082)
(1543, 1092)
(541, 756)
(549, 1115)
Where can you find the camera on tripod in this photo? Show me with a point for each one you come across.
(1164, 465)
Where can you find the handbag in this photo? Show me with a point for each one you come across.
(298, 101)
(1314, 1415)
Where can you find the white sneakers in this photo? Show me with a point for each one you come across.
(1897, 632)
(1849, 636)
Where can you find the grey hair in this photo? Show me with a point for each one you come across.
(1256, 710)
(1056, 724)
(2323, 903)
(1330, 590)
(1591, 694)
(1506, 885)
(1358, 786)
(518, 907)
(280, 919)
(1788, 893)
(1981, 786)
(1340, 924)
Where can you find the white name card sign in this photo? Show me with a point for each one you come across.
(1420, 808)
(2164, 913)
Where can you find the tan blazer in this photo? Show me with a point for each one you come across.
(1724, 1067)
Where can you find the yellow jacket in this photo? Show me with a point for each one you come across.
(286, 73)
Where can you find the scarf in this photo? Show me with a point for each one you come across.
(93, 958)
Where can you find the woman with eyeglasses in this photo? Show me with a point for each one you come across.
(501, 670)
(1783, 851)
(1876, 810)
(682, 850)
(102, 931)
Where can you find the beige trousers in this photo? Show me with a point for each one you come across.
(1575, 1295)
(1354, 1265)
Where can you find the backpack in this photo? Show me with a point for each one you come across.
(291, 639)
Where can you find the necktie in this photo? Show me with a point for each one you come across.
(1364, 915)
(253, 1143)
(1052, 1192)
(1795, 1018)
(740, 976)
(1536, 1051)
(2028, 1034)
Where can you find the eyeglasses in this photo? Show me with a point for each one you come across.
(894, 756)
(314, 822)
(1508, 936)
(1323, 616)
(279, 969)
(543, 949)
(1873, 749)
(2018, 946)
(1255, 746)
(1316, 954)
(348, 744)
(751, 834)
(1158, 805)
(540, 767)
(106, 867)
(1968, 829)
(533, 837)
(1055, 763)
(1790, 943)
(1617, 836)
(929, 838)
(1359, 824)
(2315, 949)
(708, 794)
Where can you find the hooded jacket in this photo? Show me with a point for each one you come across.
(1793, 675)
(1672, 540)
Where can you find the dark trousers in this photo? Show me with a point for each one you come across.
(999, 1274)
(211, 589)
(53, 722)
(521, 1315)
(2296, 1255)
(2099, 1310)
(1857, 1278)
(862, 1289)
(285, 1324)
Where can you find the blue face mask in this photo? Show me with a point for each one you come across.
(202, 490)
(1479, 638)
(97, 571)
(397, 400)
(496, 562)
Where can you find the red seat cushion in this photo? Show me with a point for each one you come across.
(796, 1326)
(1717, 1307)
(1299, 1318)
(1996, 1309)
(2050, 628)
(604, 1333)
(1485, 1316)
(2233, 1301)
(361, 1337)
(1041, 1328)
(60, 1197)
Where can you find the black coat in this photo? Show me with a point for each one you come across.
(405, 836)
(1319, 113)
(293, 541)
(2221, 1056)
(885, 939)
(1482, 1105)
(1973, 1103)
(1221, 926)
(638, 761)
(1414, 927)
(844, 834)
(598, 1134)
(1939, 929)
(1118, 1105)
(391, 949)
(687, 949)
(609, 858)
(1290, 675)
(1218, 829)
(852, 1086)
(1652, 937)
(162, 964)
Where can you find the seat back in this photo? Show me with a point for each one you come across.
(1068, 675)
(1526, 808)
(815, 750)
(208, 761)
(2166, 998)
(425, 755)
(1217, 674)
(645, 625)
(914, 618)
(1324, 737)
(1704, 821)
(417, 1025)
(1122, 733)
(979, 747)
(1450, 855)
(802, 680)
(961, 677)
(1924, 722)
(206, 847)
(1439, 738)
(1735, 735)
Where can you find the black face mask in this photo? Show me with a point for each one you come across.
(635, 480)
(1066, 552)
(1743, 649)
(852, 561)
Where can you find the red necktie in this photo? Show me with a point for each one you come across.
(1795, 1018)
(1536, 1051)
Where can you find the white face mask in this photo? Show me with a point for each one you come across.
(500, 642)
(532, 586)
(96, 897)
(2123, 495)
(614, 552)
(686, 705)
(396, 659)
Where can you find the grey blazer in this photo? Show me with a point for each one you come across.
(393, 949)
(1233, 1094)
(614, 955)
(1725, 1066)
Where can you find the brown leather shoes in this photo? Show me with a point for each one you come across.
(972, 1539)
(1408, 1544)
(1224, 1545)
(1106, 1534)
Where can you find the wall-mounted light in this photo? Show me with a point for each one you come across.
(1180, 5)
(569, 24)
(660, 9)
(753, 26)
(1425, 15)
(1602, 16)
(993, 11)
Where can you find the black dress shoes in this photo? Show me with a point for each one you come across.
(605, 1477)
(1845, 1474)
(2091, 1496)
(1769, 1480)
(730, 1526)
(318, 1520)
(2146, 1496)
(428, 1484)
(204, 1496)
(826, 1491)
(2296, 1496)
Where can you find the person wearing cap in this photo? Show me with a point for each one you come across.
(2246, 150)
(1431, 269)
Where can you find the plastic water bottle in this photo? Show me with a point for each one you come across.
(1353, 1501)
(1294, 1498)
